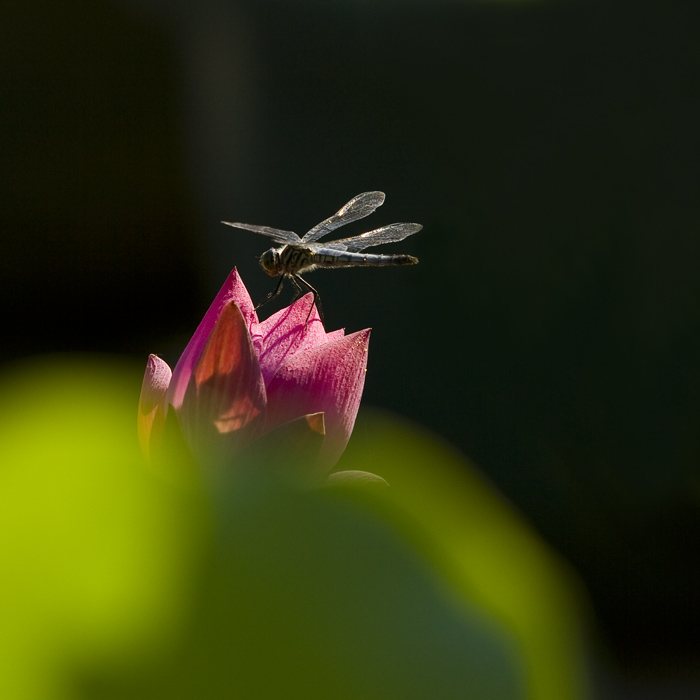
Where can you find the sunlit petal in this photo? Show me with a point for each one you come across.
(234, 291)
(328, 378)
(226, 392)
(334, 335)
(288, 332)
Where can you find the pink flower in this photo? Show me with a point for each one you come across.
(241, 384)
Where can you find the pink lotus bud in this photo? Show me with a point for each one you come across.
(240, 380)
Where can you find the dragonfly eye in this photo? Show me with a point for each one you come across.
(269, 261)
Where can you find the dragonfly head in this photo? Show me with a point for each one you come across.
(270, 262)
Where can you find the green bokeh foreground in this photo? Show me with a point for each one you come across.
(120, 582)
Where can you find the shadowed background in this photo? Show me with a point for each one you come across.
(550, 151)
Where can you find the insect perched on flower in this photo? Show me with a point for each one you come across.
(297, 255)
(282, 389)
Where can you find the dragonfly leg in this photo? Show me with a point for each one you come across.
(317, 298)
(297, 286)
(271, 295)
(296, 280)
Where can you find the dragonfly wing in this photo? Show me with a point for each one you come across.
(357, 208)
(386, 234)
(287, 237)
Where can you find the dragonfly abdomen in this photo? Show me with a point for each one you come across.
(343, 259)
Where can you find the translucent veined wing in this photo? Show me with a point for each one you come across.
(288, 237)
(357, 208)
(385, 234)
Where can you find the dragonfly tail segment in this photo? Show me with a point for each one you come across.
(405, 260)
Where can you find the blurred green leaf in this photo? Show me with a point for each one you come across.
(307, 596)
(482, 547)
(95, 550)
(118, 582)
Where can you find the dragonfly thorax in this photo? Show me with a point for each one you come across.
(288, 260)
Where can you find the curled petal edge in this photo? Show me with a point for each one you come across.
(153, 407)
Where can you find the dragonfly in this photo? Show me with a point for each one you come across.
(297, 255)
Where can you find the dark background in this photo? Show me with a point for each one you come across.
(550, 149)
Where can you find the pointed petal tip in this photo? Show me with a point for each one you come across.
(334, 335)
(360, 338)
(234, 290)
(156, 380)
